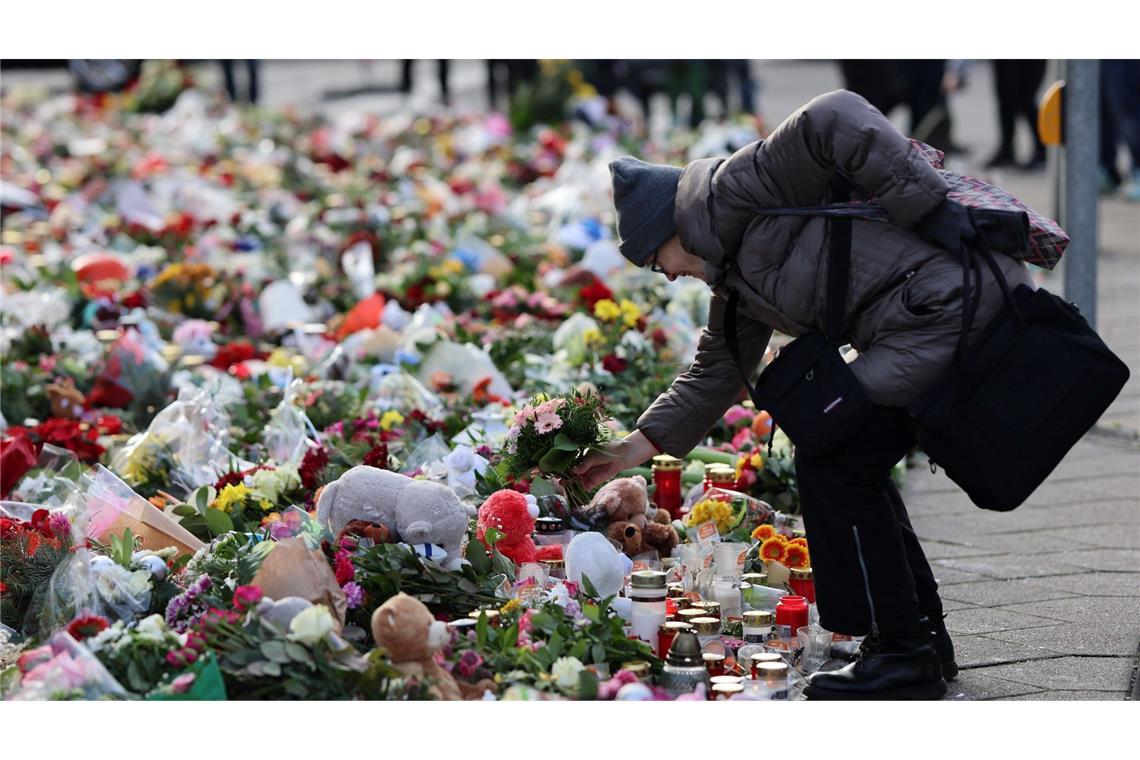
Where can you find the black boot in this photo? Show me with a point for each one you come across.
(888, 668)
(943, 646)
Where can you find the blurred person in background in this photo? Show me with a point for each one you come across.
(443, 71)
(922, 85)
(252, 91)
(1016, 83)
(1120, 123)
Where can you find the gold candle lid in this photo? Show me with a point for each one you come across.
(756, 579)
(801, 574)
(726, 690)
(650, 579)
(762, 657)
(772, 670)
(755, 618)
(722, 476)
(691, 613)
(717, 466)
(675, 591)
(553, 564)
(674, 627)
(713, 656)
(639, 668)
(666, 462)
(705, 626)
(712, 608)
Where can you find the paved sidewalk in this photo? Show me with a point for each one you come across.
(1042, 602)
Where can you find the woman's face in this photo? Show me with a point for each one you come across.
(674, 261)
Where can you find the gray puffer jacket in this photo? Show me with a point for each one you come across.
(904, 301)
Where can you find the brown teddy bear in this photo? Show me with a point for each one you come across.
(410, 636)
(626, 502)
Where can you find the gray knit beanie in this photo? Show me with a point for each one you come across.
(643, 196)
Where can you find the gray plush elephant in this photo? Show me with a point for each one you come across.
(418, 512)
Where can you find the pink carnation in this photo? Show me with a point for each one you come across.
(737, 414)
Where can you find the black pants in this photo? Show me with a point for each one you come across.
(1016, 82)
(859, 535)
(251, 70)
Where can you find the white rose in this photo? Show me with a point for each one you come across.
(152, 628)
(311, 625)
(565, 671)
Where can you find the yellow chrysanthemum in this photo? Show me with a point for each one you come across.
(629, 312)
(774, 549)
(606, 310)
(592, 337)
(390, 419)
(230, 496)
(510, 606)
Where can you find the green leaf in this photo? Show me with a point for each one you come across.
(477, 556)
(598, 654)
(562, 442)
(481, 631)
(218, 521)
(271, 669)
(185, 510)
(556, 460)
(511, 637)
(201, 499)
(544, 621)
(297, 652)
(587, 685)
(588, 587)
(275, 651)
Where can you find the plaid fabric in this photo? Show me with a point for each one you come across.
(1047, 241)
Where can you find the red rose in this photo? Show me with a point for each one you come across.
(614, 363)
(17, 455)
(595, 292)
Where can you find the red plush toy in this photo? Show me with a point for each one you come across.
(512, 514)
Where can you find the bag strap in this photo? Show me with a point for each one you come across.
(838, 277)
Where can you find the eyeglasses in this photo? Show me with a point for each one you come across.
(654, 266)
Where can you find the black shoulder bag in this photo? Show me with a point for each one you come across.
(1014, 403)
(808, 388)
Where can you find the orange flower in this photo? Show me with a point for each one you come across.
(801, 541)
(774, 549)
(763, 532)
(796, 556)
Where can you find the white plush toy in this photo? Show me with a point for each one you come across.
(418, 512)
(591, 554)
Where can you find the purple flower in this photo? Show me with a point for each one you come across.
(280, 530)
(354, 593)
(59, 524)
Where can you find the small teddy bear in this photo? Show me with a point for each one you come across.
(634, 540)
(626, 502)
(410, 636)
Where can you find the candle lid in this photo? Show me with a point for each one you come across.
(756, 579)
(676, 590)
(761, 657)
(554, 564)
(647, 579)
(639, 668)
(772, 670)
(693, 612)
(726, 679)
(712, 656)
(717, 466)
(666, 462)
(727, 687)
(722, 476)
(801, 574)
(685, 651)
(462, 623)
(754, 618)
(706, 625)
(674, 627)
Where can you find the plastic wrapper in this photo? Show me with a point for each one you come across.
(289, 434)
(191, 431)
(64, 669)
(280, 305)
(393, 388)
(50, 307)
(480, 256)
(87, 583)
(133, 373)
(52, 481)
(570, 337)
(432, 449)
(108, 507)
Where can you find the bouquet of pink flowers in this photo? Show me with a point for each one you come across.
(549, 435)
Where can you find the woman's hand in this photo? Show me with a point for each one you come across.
(600, 467)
